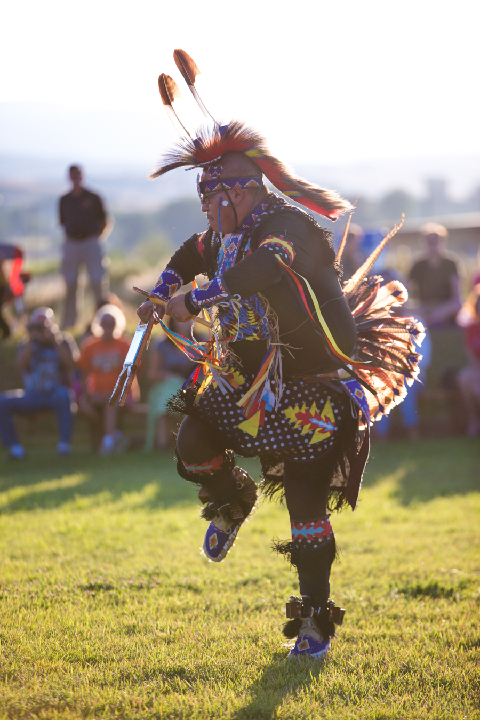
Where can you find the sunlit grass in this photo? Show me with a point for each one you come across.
(109, 610)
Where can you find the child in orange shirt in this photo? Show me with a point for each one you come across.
(101, 360)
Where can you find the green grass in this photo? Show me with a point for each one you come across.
(108, 610)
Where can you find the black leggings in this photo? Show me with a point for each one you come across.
(306, 483)
(306, 492)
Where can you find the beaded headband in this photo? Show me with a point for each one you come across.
(212, 186)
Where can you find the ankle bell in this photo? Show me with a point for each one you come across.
(300, 607)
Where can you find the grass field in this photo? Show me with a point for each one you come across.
(108, 610)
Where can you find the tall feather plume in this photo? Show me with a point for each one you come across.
(211, 144)
(169, 90)
(189, 71)
(345, 234)
(364, 269)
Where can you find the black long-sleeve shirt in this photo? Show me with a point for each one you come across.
(83, 215)
(260, 271)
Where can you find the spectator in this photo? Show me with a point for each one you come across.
(101, 361)
(353, 255)
(109, 299)
(5, 296)
(469, 376)
(476, 274)
(435, 279)
(84, 219)
(46, 361)
(168, 369)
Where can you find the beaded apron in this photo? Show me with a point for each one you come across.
(304, 425)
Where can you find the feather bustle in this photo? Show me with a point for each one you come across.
(387, 341)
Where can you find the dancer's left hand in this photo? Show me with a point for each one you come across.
(177, 309)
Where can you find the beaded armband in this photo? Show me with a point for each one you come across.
(278, 245)
(311, 534)
(167, 284)
(300, 607)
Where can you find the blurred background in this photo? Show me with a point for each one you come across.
(373, 99)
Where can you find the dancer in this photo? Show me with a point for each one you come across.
(297, 366)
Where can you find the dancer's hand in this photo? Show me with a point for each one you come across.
(145, 310)
(177, 309)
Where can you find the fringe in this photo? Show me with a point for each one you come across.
(283, 547)
(247, 499)
(211, 511)
(291, 629)
(294, 555)
(183, 401)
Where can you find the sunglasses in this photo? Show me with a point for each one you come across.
(207, 189)
(206, 198)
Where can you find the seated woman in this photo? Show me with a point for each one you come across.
(5, 295)
(46, 360)
(101, 360)
(168, 369)
(469, 376)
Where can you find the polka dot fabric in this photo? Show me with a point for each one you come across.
(304, 427)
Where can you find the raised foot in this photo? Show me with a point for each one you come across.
(227, 520)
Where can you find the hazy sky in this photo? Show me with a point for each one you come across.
(326, 82)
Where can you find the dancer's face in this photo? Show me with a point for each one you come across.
(216, 206)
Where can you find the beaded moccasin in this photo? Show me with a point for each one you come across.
(225, 521)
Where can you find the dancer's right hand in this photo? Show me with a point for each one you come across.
(146, 309)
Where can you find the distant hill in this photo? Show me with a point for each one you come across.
(119, 147)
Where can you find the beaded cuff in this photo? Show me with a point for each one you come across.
(167, 284)
(210, 293)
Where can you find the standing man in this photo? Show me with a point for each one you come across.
(435, 283)
(436, 279)
(83, 216)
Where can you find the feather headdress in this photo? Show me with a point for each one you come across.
(189, 71)
(209, 146)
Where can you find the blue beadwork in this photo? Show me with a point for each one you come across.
(307, 646)
(217, 543)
